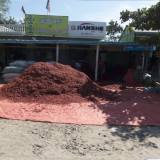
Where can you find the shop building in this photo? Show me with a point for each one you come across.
(79, 44)
(152, 58)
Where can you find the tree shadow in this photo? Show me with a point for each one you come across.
(140, 134)
(137, 110)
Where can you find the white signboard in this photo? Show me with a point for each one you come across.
(87, 29)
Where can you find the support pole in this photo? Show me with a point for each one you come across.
(96, 67)
(146, 61)
(143, 58)
(158, 67)
(57, 52)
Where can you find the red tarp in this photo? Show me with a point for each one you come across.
(134, 107)
(129, 78)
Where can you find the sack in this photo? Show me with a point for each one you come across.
(10, 75)
(152, 89)
(29, 63)
(147, 79)
(7, 80)
(21, 63)
(129, 78)
(13, 69)
(51, 62)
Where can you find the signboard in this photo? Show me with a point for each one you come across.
(139, 48)
(87, 29)
(46, 25)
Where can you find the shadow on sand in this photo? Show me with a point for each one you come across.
(134, 108)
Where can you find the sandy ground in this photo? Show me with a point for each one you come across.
(26, 140)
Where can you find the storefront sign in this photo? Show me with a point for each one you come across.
(87, 29)
(139, 48)
(46, 25)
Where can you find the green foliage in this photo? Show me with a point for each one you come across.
(113, 30)
(151, 39)
(4, 7)
(144, 19)
(12, 20)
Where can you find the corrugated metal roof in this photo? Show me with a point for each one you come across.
(102, 43)
(145, 31)
(65, 42)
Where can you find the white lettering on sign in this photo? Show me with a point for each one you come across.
(39, 30)
(55, 21)
(87, 27)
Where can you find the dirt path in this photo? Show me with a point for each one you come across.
(26, 140)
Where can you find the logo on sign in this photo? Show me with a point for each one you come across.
(87, 26)
(73, 27)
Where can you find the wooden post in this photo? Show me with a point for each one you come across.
(57, 52)
(96, 67)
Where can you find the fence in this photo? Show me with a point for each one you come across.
(12, 29)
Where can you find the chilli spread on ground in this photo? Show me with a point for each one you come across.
(54, 83)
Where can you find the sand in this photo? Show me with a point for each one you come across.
(26, 140)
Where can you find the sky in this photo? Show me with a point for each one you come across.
(78, 10)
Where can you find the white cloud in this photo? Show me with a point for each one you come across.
(125, 6)
(67, 6)
(19, 1)
(134, 5)
(96, 17)
(103, 16)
